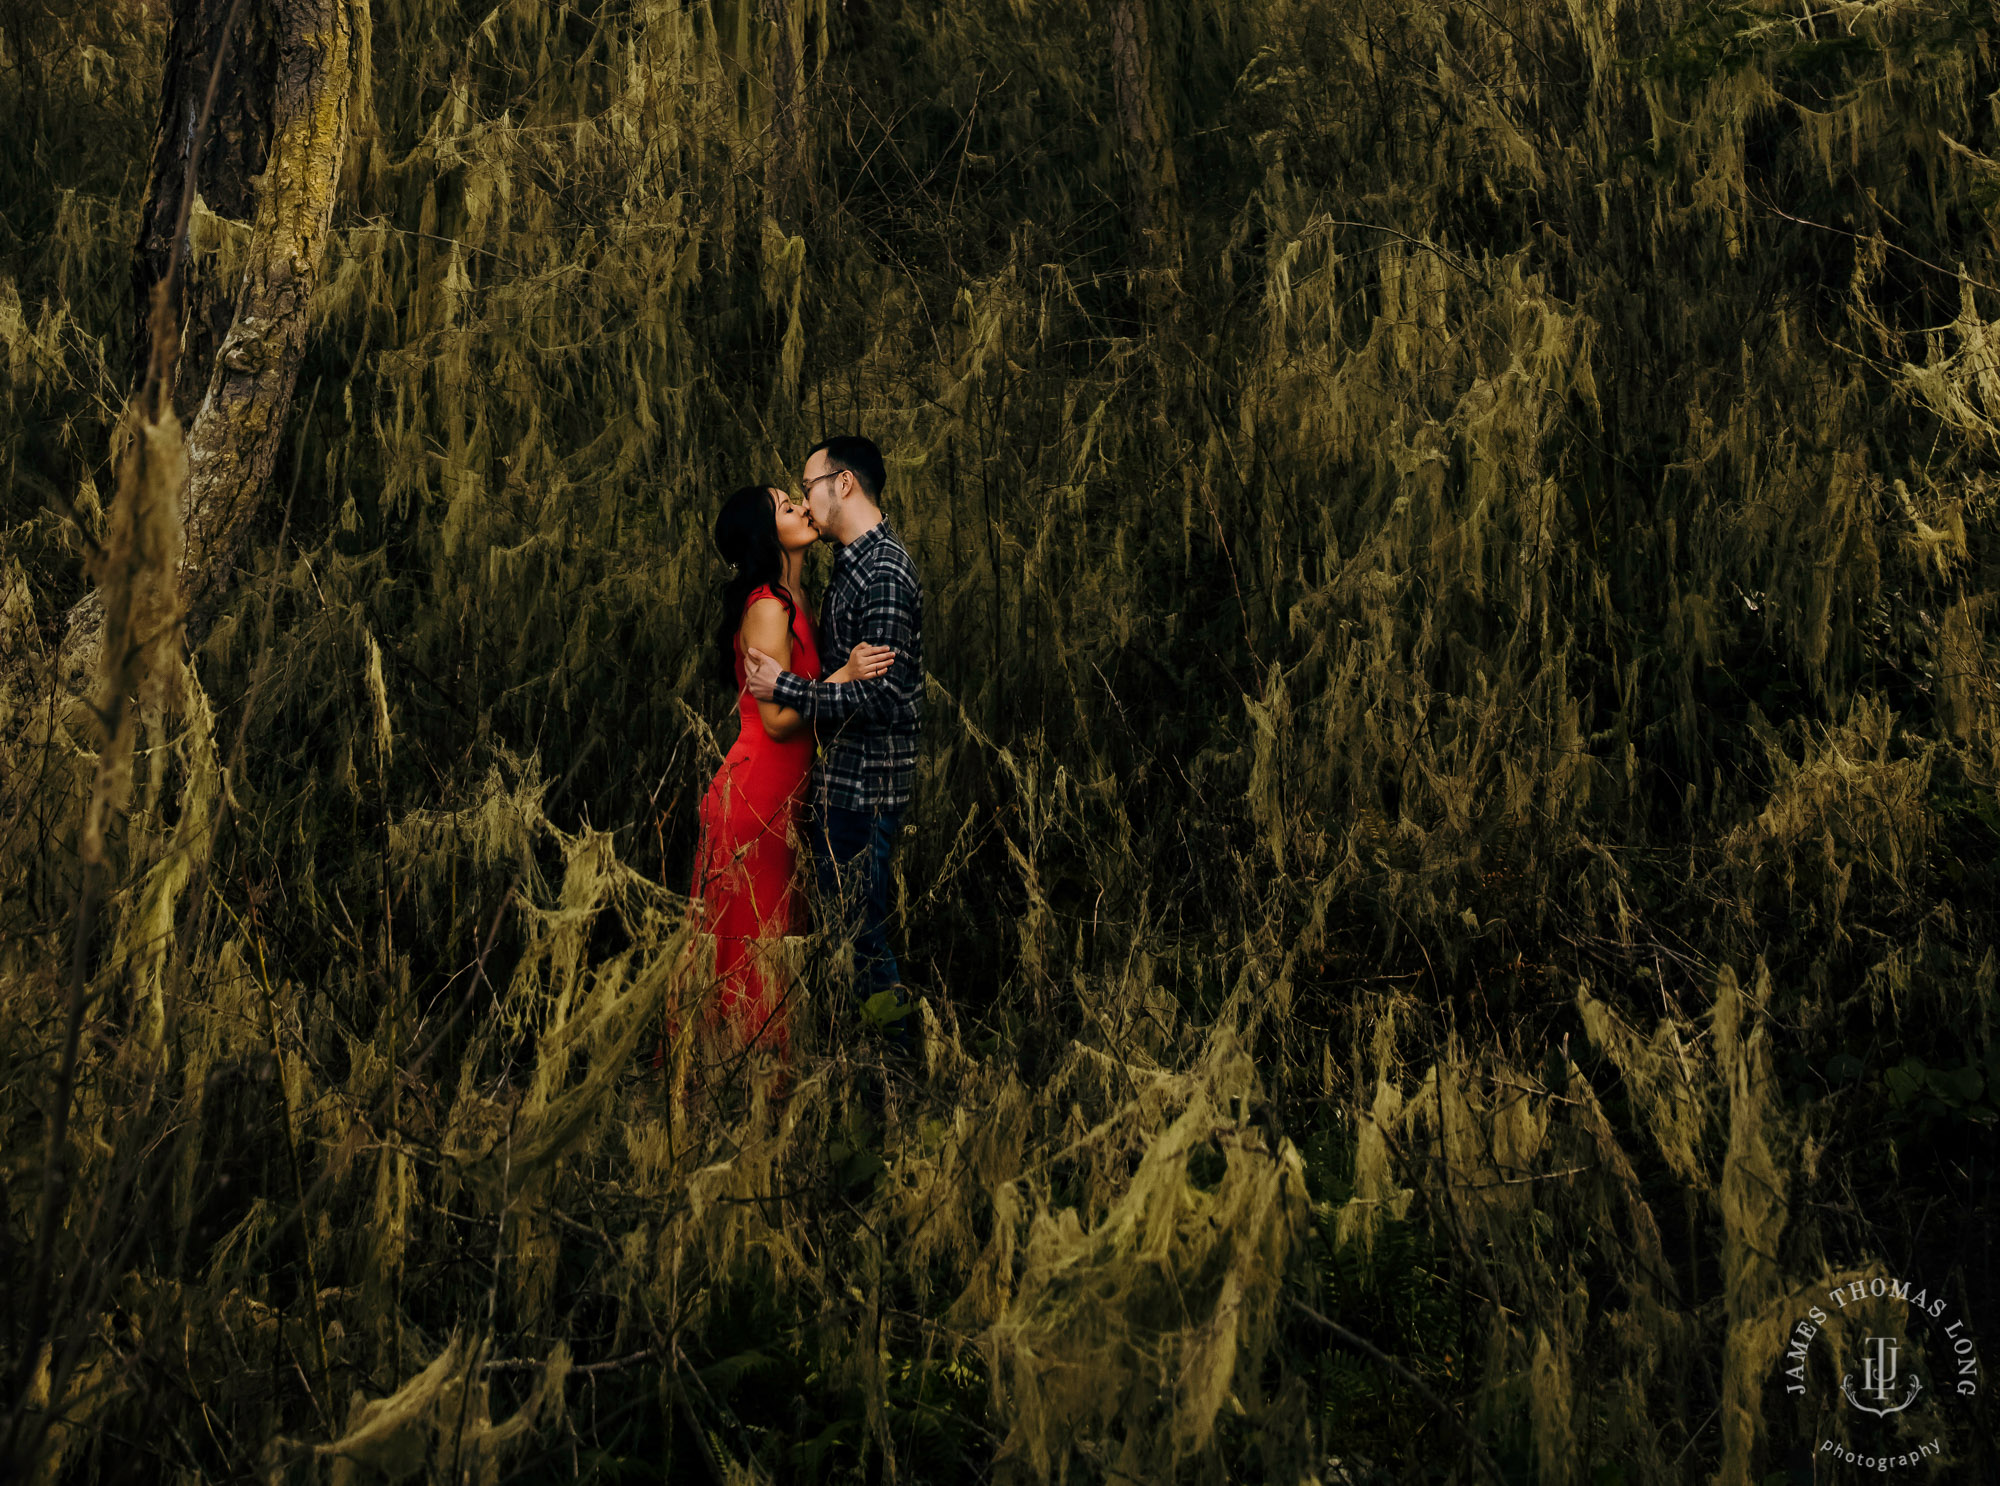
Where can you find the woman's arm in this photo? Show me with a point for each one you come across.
(768, 625)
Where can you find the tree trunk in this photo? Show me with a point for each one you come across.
(237, 143)
(242, 417)
(1149, 156)
(298, 64)
(784, 169)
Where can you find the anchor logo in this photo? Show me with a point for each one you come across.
(1878, 1375)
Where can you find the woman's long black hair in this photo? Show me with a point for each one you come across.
(746, 531)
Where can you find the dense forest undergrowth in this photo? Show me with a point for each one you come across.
(1453, 878)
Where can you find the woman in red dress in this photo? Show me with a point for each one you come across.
(745, 866)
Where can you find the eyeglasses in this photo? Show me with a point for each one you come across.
(829, 475)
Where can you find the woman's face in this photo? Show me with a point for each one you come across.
(795, 532)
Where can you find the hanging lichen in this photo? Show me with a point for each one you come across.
(1450, 884)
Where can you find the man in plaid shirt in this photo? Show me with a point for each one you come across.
(867, 730)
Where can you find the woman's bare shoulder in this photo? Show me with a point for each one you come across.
(766, 616)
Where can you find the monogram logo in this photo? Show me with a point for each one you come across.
(1904, 1363)
(1878, 1377)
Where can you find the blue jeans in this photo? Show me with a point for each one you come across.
(851, 850)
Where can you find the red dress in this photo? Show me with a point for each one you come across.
(743, 874)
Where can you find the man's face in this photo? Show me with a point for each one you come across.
(823, 487)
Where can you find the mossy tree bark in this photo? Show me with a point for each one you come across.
(785, 169)
(234, 77)
(1149, 156)
(282, 105)
(236, 434)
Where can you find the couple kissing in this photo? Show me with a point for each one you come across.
(862, 721)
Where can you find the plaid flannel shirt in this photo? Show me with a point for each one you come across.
(867, 730)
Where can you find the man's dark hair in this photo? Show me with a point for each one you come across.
(850, 451)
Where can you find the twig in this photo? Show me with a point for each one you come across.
(588, 1369)
(291, 1144)
(1375, 1354)
(686, 1410)
(1876, 237)
(1416, 242)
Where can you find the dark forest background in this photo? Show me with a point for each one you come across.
(1453, 878)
